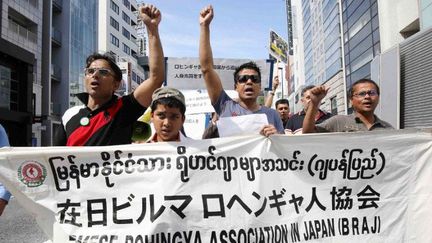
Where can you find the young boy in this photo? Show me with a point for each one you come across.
(168, 115)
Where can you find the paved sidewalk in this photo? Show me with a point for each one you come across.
(18, 226)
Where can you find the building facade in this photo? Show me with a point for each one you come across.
(323, 51)
(70, 35)
(297, 74)
(20, 70)
(361, 38)
(117, 34)
(403, 67)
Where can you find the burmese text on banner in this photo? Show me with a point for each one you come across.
(350, 187)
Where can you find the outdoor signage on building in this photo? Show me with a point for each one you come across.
(278, 47)
(185, 73)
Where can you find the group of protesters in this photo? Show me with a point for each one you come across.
(363, 96)
(107, 119)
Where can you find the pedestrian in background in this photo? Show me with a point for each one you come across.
(295, 124)
(282, 105)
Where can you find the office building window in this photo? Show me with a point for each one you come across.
(134, 76)
(114, 40)
(126, 49)
(114, 7)
(114, 23)
(125, 17)
(5, 87)
(125, 33)
(126, 3)
(333, 104)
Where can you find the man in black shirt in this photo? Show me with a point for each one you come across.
(295, 122)
(106, 119)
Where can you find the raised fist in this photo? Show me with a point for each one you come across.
(206, 15)
(150, 15)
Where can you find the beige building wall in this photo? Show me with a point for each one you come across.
(337, 92)
(396, 16)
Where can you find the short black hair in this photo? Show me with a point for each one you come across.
(111, 61)
(282, 101)
(362, 81)
(306, 89)
(247, 65)
(170, 102)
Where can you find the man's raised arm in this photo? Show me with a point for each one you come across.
(151, 17)
(269, 99)
(316, 95)
(212, 80)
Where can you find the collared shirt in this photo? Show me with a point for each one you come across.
(110, 124)
(4, 142)
(350, 123)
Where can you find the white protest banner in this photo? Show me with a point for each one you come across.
(347, 187)
(185, 73)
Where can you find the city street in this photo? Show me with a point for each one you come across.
(18, 226)
(137, 121)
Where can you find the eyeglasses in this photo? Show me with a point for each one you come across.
(100, 71)
(363, 94)
(244, 78)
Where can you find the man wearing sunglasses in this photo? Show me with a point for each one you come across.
(106, 119)
(364, 97)
(247, 83)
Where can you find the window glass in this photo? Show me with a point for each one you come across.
(125, 17)
(126, 33)
(114, 23)
(114, 40)
(114, 7)
(126, 49)
(363, 33)
(333, 105)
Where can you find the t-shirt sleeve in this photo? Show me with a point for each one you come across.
(223, 97)
(273, 118)
(131, 109)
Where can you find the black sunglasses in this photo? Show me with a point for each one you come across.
(244, 78)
